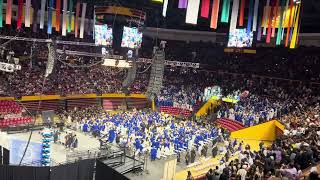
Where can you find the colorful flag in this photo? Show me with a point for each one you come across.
(58, 13)
(192, 11)
(83, 16)
(289, 23)
(42, 11)
(76, 29)
(70, 15)
(294, 38)
(64, 17)
(234, 15)
(183, 4)
(164, 8)
(8, 11)
(27, 13)
(214, 14)
(225, 11)
(255, 15)
(278, 40)
(1, 13)
(49, 28)
(241, 17)
(250, 17)
(205, 8)
(20, 9)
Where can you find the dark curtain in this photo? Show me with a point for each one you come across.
(85, 169)
(24, 173)
(1, 157)
(6, 156)
(104, 172)
(64, 172)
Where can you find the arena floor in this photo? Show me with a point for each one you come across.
(154, 169)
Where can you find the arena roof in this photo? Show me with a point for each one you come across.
(176, 17)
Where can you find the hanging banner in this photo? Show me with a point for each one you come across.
(35, 6)
(42, 11)
(192, 12)
(77, 19)
(234, 15)
(289, 23)
(214, 14)
(293, 21)
(205, 8)
(278, 40)
(266, 17)
(27, 13)
(250, 17)
(259, 29)
(284, 17)
(58, 18)
(8, 11)
(268, 39)
(241, 17)
(64, 17)
(294, 38)
(255, 15)
(20, 9)
(49, 30)
(274, 19)
(70, 15)
(164, 8)
(83, 16)
(183, 4)
(1, 13)
(225, 11)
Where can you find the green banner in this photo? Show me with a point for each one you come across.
(1, 13)
(225, 11)
(70, 15)
(282, 10)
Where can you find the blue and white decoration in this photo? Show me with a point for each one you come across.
(47, 136)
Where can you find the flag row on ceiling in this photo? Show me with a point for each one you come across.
(27, 15)
(279, 19)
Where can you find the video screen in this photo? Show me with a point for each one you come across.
(240, 38)
(103, 35)
(131, 38)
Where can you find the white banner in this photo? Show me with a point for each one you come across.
(234, 15)
(64, 18)
(9, 67)
(27, 13)
(83, 16)
(164, 9)
(192, 11)
(42, 12)
(255, 15)
(266, 17)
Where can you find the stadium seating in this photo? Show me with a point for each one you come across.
(230, 125)
(15, 121)
(9, 107)
(175, 111)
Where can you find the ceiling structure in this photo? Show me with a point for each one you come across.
(176, 17)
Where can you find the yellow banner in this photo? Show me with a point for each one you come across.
(285, 22)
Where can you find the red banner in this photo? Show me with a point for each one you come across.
(242, 6)
(205, 8)
(268, 39)
(58, 9)
(20, 6)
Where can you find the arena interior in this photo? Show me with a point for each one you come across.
(159, 89)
